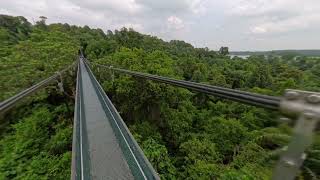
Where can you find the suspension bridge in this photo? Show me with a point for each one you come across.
(104, 148)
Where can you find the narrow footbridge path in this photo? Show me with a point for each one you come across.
(103, 147)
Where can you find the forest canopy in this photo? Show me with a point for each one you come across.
(184, 134)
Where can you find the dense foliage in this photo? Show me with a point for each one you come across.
(184, 134)
(36, 137)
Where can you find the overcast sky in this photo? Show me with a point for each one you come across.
(238, 24)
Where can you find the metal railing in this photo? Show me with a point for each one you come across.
(269, 102)
(12, 101)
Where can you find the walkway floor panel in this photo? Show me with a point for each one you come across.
(106, 157)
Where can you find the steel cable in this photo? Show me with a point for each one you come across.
(8, 103)
(270, 102)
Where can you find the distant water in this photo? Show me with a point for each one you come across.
(240, 56)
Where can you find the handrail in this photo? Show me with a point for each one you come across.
(270, 102)
(12, 101)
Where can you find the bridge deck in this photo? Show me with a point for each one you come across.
(103, 147)
(106, 157)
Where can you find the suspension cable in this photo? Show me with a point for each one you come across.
(270, 102)
(12, 101)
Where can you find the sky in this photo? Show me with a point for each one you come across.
(237, 24)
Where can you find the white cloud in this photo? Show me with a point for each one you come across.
(119, 6)
(264, 7)
(212, 23)
(291, 24)
(258, 29)
(175, 23)
(276, 16)
(197, 6)
(173, 6)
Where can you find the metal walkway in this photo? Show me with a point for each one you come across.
(103, 147)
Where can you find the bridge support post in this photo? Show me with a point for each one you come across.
(112, 73)
(60, 83)
(304, 107)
